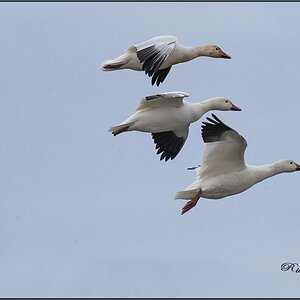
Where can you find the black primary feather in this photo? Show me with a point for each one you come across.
(212, 132)
(152, 59)
(168, 144)
(160, 75)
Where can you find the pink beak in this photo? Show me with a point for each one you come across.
(297, 167)
(235, 108)
(224, 55)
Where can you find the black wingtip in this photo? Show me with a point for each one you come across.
(160, 75)
(168, 144)
(217, 119)
(212, 132)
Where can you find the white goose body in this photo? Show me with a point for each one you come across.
(224, 172)
(131, 61)
(161, 119)
(157, 55)
(168, 117)
(232, 183)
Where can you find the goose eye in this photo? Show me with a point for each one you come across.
(226, 101)
(291, 163)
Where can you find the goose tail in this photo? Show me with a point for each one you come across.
(118, 63)
(186, 195)
(115, 130)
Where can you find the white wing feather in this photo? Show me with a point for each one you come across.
(223, 156)
(162, 100)
(157, 42)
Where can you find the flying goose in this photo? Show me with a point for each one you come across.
(168, 117)
(223, 171)
(157, 55)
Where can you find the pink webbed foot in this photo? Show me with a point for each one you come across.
(191, 203)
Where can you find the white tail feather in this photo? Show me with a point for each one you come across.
(186, 195)
(119, 128)
(112, 65)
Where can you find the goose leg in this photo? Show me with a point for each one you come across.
(191, 203)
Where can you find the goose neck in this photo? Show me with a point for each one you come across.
(266, 171)
(200, 108)
(200, 51)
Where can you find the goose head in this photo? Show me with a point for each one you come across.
(288, 166)
(214, 51)
(220, 103)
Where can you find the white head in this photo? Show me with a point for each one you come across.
(287, 166)
(220, 103)
(213, 51)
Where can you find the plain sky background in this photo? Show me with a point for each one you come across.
(86, 214)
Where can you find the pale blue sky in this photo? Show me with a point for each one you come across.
(86, 214)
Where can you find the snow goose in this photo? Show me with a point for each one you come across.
(223, 171)
(157, 55)
(168, 117)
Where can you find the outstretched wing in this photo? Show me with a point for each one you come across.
(153, 53)
(169, 143)
(162, 100)
(224, 148)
